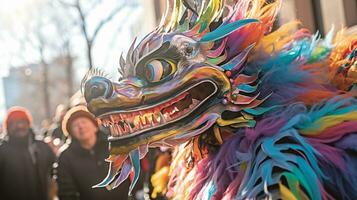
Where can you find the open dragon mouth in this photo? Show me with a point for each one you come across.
(125, 124)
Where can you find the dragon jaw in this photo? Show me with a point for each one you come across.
(157, 122)
(174, 86)
(185, 112)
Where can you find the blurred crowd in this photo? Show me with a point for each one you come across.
(62, 161)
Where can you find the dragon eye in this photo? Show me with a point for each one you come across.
(156, 70)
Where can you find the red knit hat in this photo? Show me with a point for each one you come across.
(17, 113)
(74, 113)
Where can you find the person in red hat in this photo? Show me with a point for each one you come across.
(81, 165)
(25, 163)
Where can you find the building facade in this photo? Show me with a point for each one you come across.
(24, 86)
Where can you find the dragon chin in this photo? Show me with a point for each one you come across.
(122, 162)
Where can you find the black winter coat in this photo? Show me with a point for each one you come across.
(79, 169)
(25, 166)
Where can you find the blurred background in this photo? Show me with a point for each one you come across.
(48, 45)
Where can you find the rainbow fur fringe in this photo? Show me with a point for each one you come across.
(309, 134)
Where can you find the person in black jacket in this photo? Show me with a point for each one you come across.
(81, 165)
(25, 163)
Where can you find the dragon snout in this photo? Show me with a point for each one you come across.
(97, 87)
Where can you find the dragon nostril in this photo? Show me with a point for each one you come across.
(97, 87)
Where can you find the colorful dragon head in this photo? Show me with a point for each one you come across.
(196, 79)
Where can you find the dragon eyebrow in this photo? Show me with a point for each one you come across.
(136, 53)
(91, 73)
(166, 50)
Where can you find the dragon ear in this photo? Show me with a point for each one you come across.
(226, 29)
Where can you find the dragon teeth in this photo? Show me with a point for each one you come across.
(162, 118)
(146, 121)
(112, 118)
(112, 131)
(126, 128)
(115, 129)
(130, 129)
(127, 123)
(121, 130)
(140, 124)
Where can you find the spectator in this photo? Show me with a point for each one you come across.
(25, 163)
(82, 164)
(55, 129)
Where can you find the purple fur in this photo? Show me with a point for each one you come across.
(271, 124)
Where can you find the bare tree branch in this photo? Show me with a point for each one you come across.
(83, 20)
(106, 20)
(93, 6)
(66, 4)
(82, 23)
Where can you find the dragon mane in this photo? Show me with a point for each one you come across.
(288, 119)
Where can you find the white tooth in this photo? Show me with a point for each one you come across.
(136, 120)
(195, 101)
(158, 118)
(119, 118)
(153, 119)
(126, 128)
(116, 128)
(152, 123)
(143, 120)
(162, 118)
(166, 117)
(120, 130)
(147, 120)
(150, 117)
(130, 129)
(176, 109)
(112, 132)
(112, 118)
(140, 124)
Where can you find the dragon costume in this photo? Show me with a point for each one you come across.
(250, 113)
